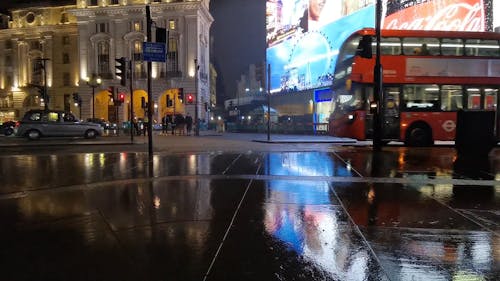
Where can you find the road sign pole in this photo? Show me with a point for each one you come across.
(150, 95)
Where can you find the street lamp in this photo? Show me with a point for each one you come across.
(94, 82)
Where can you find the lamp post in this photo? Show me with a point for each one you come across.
(378, 81)
(196, 118)
(94, 82)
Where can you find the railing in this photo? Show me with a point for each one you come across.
(280, 128)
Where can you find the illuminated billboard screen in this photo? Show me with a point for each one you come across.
(304, 36)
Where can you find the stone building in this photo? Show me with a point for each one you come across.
(38, 47)
(79, 44)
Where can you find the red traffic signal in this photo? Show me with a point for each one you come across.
(121, 97)
(190, 98)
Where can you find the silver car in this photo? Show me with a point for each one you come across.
(55, 123)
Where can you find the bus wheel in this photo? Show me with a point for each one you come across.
(419, 135)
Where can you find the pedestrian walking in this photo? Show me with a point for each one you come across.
(189, 124)
(173, 125)
(145, 126)
(164, 124)
(135, 127)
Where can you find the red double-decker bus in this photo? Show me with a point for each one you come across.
(427, 77)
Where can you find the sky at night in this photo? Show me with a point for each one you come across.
(239, 40)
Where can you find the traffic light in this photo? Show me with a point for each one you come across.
(180, 94)
(161, 35)
(143, 102)
(120, 100)
(169, 101)
(190, 98)
(121, 70)
(111, 90)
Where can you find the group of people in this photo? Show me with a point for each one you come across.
(177, 124)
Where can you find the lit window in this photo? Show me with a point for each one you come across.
(171, 24)
(137, 26)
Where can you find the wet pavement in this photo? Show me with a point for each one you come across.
(230, 208)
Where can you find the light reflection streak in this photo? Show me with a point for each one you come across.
(302, 216)
(191, 164)
(102, 160)
(123, 163)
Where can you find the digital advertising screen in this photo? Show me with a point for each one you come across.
(304, 36)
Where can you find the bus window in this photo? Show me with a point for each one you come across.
(422, 97)
(451, 98)
(390, 46)
(411, 45)
(477, 47)
(350, 48)
(452, 47)
(420, 46)
(473, 98)
(490, 98)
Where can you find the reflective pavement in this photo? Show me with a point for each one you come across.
(267, 212)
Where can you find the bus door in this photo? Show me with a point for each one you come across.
(390, 116)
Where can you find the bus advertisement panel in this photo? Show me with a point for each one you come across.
(304, 36)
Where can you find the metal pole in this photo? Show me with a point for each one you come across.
(378, 93)
(197, 127)
(150, 94)
(45, 89)
(268, 102)
(93, 101)
(131, 87)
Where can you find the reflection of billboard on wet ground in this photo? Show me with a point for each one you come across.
(304, 36)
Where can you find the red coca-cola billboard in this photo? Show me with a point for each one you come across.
(452, 15)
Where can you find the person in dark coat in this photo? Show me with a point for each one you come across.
(164, 124)
(189, 124)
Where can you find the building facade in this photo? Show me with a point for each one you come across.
(38, 47)
(79, 44)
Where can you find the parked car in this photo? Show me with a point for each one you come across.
(55, 123)
(7, 128)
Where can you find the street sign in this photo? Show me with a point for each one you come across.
(153, 51)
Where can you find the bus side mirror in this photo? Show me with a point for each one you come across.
(364, 49)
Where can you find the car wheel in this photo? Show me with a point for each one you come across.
(33, 134)
(90, 134)
(8, 131)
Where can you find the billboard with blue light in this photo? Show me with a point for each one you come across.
(304, 36)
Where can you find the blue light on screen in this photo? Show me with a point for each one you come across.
(306, 60)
